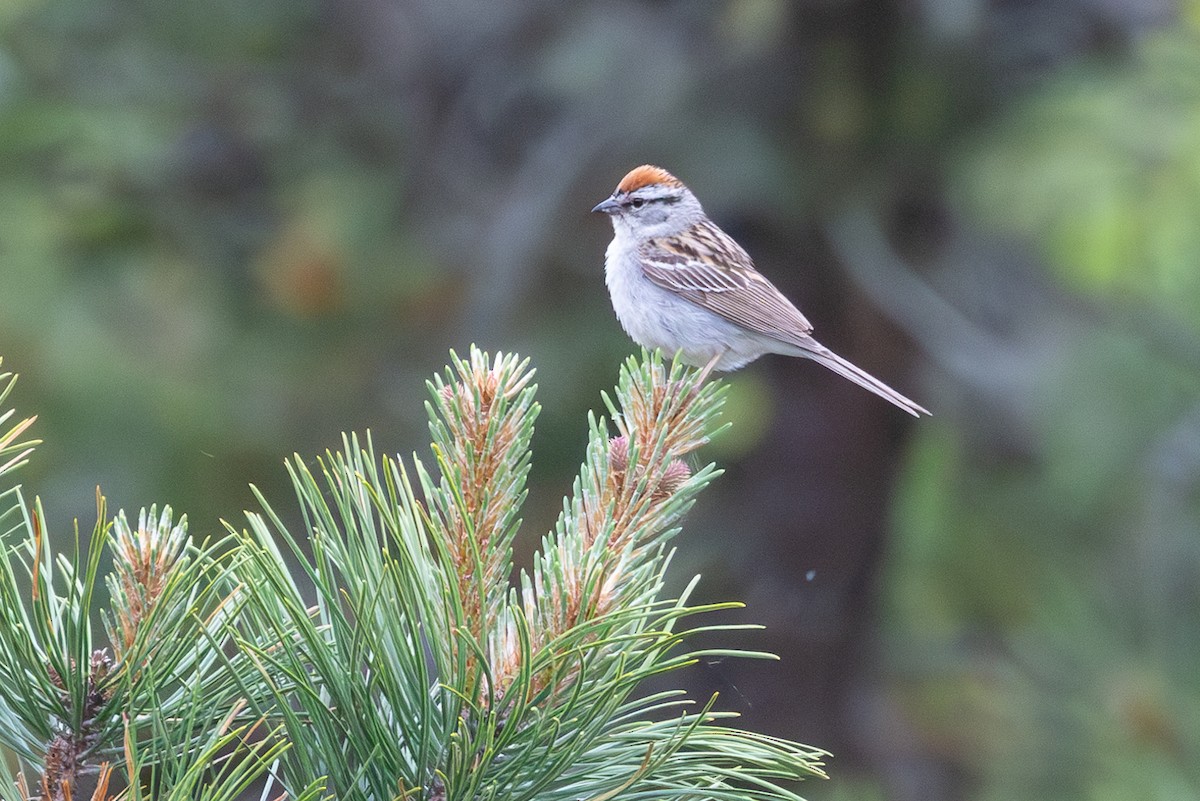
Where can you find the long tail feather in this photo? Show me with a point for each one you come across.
(823, 355)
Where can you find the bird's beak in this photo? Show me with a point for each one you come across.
(607, 206)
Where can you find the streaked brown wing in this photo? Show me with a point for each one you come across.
(684, 264)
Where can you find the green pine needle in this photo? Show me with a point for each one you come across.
(378, 649)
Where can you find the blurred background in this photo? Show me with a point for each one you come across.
(230, 231)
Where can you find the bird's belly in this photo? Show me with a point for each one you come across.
(656, 318)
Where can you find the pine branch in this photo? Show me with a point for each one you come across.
(349, 676)
(481, 420)
(631, 491)
(379, 651)
(419, 671)
(13, 454)
(64, 701)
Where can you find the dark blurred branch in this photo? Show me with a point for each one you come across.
(997, 358)
(988, 361)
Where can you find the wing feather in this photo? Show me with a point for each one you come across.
(686, 264)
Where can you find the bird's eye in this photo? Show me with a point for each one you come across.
(637, 202)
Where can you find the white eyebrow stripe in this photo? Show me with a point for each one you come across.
(655, 192)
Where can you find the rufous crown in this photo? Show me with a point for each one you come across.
(646, 175)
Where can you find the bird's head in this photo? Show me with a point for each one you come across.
(650, 202)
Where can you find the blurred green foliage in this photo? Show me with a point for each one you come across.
(1101, 168)
(1043, 605)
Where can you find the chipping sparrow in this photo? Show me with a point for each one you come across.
(680, 283)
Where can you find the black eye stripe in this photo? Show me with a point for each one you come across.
(639, 202)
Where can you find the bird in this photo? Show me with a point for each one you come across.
(680, 284)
